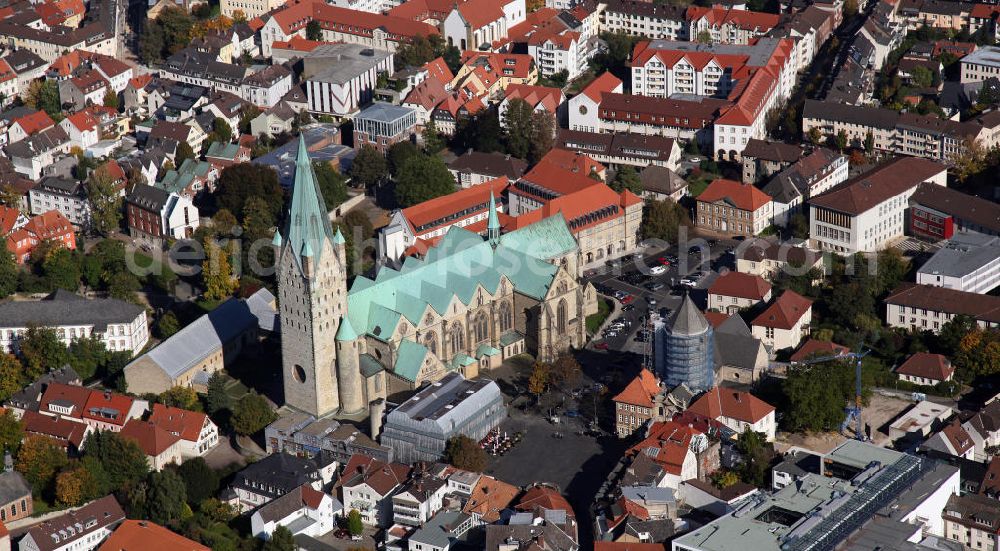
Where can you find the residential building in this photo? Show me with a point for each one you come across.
(785, 322)
(738, 410)
(475, 167)
(584, 107)
(340, 78)
(29, 397)
(619, 149)
(853, 474)
(499, 537)
(27, 124)
(661, 184)
(303, 510)
(160, 447)
(673, 447)
(768, 258)
(144, 535)
(734, 291)
(489, 498)
(120, 325)
(928, 307)
(468, 25)
(980, 64)
(733, 208)
(49, 226)
(558, 40)
(938, 212)
(968, 262)
(419, 429)
(64, 195)
(813, 348)
(418, 499)
(634, 406)
(154, 215)
(208, 344)
(196, 432)
(868, 212)
(278, 474)
(15, 497)
(82, 529)
(543, 502)
(302, 434)
(32, 155)
(101, 410)
(763, 159)
(382, 125)
(685, 348)
(440, 532)
(972, 520)
(538, 98)
(68, 435)
(811, 175)
(367, 486)
(485, 75)
(924, 368)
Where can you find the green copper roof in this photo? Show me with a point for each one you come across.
(510, 337)
(486, 350)
(548, 238)
(338, 238)
(369, 365)
(346, 332)
(409, 358)
(308, 221)
(493, 226)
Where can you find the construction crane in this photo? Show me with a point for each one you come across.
(853, 412)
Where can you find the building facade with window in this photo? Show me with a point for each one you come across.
(15, 497)
(733, 208)
(928, 308)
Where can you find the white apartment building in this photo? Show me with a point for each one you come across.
(981, 64)
(81, 530)
(869, 212)
(928, 308)
(584, 108)
(340, 78)
(969, 262)
(63, 195)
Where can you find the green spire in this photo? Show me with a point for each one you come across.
(338, 239)
(308, 221)
(493, 226)
(346, 331)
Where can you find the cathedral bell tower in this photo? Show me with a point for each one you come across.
(311, 269)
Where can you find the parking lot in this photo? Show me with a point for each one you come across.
(657, 283)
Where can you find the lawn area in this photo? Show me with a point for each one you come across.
(594, 321)
(696, 186)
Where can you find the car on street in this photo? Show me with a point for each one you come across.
(663, 260)
(601, 345)
(655, 286)
(627, 299)
(572, 413)
(628, 307)
(651, 301)
(658, 270)
(695, 249)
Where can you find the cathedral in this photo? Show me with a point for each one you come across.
(472, 302)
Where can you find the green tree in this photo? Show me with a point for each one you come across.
(11, 376)
(869, 142)
(111, 99)
(42, 351)
(39, 459)
(368, 167)
(332, 184)
(251, 414)
(543, 132)
(217, 398)
(705, 37)
(627, 178)
(354, 524)
(432, 139)
(166, 498)
(183, 397)
(756, 457)
(422, 178)
(123, 462)
(183, 153)
(399, 153)
(151, 43)
(87, 355)
(817, 395)
(969, 160)
(662, 220)
(124, 285)
(922, 77)
(541, 375)
(815, 136)
(281, 540)
(240, 182)
(465, 453)
(8, 271)
(529, 134)
(841, 140)
(313, 30)
(48, 99)
(75, 485)
(217, 273)
(799, 225)
(11, 432)
(221, 131)
(200, 480)
(61, 270)
(167, 326)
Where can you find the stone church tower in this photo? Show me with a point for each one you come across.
(311, 269)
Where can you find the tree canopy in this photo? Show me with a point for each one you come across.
(662, 219)
(421, 178)
(465, 453)
(239, 182)
(368, 167)
(251, 414)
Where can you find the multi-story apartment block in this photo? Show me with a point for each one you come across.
(367, 486)
(869, 212)
(809, 176)
(558, 40)
(981, 64)
(928, 307)
(733, 208)
(63, 195)
(972, 520)
(83, 529)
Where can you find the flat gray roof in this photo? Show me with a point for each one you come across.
(984, 55)
(339, 63)
(962, 255)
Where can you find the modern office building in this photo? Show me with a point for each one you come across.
(419, 429)
(685, 348)
(969, 262)
(865, 497)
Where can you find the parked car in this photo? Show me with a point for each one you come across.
(658, 270)
(601, 346)
(628, 299)
(628, 307)
(663, 260)
(655, 286)
(651, 301)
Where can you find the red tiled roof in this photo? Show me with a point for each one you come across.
(561, 180)
(740, 285)
(298, 44)
(960, 440)
(428, 94)
(496, 63)
(6, 73)
(296, 15)
(784, 312)
(548, 98)
(181, 422)
(58, 428)
(143, 535)
(744, 19)
(437, 68)
(381, 476)
(668, 444)
(742, 196)
(606, 83)
(878, 185)
(107, 407)
(641, 390)
(35, 122)
(680, 113)
(952, 301)
(716, 318)
(49, 225)
(984, 11)
(734, 404)
(141, 81)
(628, 546)
(544, 497)
(572, 161)
(991, 482)
(930, 366)
(109, 65)
(813, 347)
(477, 13)
(8, 218)
(151, 439)
(70, 394)
(65, 64)
(441, 207)
(89, 81)
(489, 498)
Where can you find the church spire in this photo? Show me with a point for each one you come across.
(308, 223)
(493, 226)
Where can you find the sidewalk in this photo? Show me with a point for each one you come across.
(616, 310)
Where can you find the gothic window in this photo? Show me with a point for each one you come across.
(561, 317)
(482, 327)
(506, 317)
(456, 338)
(562, 287)
(430, 342)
